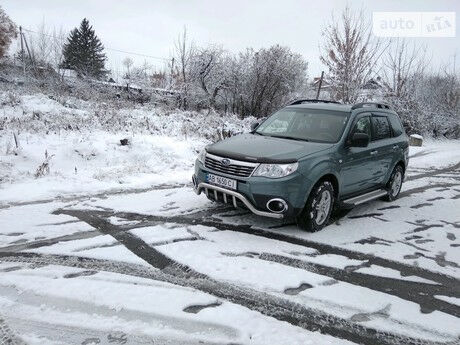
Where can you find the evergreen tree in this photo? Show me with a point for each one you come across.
(84, 52)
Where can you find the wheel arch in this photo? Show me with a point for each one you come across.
(334, 180)
(402, 164)
(329, 176)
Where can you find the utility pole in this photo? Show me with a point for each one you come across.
(319, 84)
(22, 53)
(32, 61)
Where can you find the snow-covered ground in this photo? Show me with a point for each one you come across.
(140, 259)
(81, 142)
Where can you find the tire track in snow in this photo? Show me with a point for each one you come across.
(279, 308)
(7, 337)
(189, 219)
(434, 172)
(421, 293)
(101, 195)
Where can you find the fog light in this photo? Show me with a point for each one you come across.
(277, 205)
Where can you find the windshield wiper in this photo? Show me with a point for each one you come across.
(288, 137)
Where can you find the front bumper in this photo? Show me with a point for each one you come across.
(228, 195)
(256, 191)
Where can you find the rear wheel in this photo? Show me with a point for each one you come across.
(318, 208)
(395, 183)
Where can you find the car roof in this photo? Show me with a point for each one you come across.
(323, 106)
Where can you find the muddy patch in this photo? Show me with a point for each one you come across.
(374, 240)
(389, 207)
(425, 240)
(424, 204)
(379, 314)
(297, 290)
(14, 234)
(329, 282)
(352, 268)
(117, 338)
(11, 269)
(456, 225)
(439, 259)
(80, 274)
(72, 221)
(244, 254)
(195, 309)
(450, 236)
(442, 189)
(434, 199)
(422, 226)
(413, 237)
(367, 215)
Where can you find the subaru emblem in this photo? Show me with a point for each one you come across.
(225, 161)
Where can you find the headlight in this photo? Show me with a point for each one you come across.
(275, 170)
(201, 156)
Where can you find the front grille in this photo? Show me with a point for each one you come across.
(235, 168)
(224, 198)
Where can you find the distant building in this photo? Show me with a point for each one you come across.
(371, 89)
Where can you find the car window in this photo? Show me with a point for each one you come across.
(305, 124)
(396, 125)
(363, 125)
(280, 124)
(380, 128)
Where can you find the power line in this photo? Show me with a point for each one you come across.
(106, 48)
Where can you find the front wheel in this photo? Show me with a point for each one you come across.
(318, 208)
(395, 183)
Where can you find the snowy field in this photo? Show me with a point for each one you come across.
(121, 251)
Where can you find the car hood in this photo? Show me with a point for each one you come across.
(265, 149)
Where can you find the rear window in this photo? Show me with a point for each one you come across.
(380, 128)
(396, 125)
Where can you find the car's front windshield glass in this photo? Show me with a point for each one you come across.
(305, 124)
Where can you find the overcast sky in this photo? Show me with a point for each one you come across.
(150, 26)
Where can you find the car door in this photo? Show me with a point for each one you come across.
(382, 143)
(357, 172)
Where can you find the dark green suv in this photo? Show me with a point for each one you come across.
(307, 158)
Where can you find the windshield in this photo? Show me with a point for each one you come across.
(305, 124)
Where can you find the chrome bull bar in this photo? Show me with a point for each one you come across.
(208, 188)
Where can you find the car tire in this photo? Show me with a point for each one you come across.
(318, 207)
(394, 183)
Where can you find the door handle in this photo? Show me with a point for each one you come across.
(395, 147)
(374, 152)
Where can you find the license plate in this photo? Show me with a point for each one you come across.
(221, 181)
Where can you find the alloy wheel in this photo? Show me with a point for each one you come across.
(322, 207)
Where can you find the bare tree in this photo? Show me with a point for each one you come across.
(8, 32)
(349, 53)
(183, 54)
(128, 62)
(58, 38)
(208, 69)
(142, 75)
(45, 46)
(41, 44)
(400, 62)
(270, 78)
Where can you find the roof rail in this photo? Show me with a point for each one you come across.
(307, 100)
(370, 104)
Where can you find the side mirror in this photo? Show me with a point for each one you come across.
(359, 140)
(254, 126)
